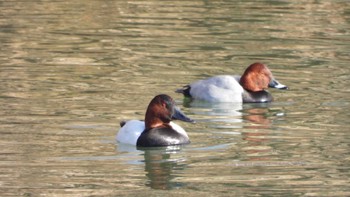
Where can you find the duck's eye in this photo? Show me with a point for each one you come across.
(167, 104)
(164, 105)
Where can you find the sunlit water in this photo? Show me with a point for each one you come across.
(70, 71)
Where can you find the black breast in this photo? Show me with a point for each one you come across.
(161, 137)
(257, 97)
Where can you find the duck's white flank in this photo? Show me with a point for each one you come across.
(130, 132)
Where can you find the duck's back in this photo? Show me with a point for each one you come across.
(222, 88)
(161, 137)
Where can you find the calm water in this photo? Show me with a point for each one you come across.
(70, 71)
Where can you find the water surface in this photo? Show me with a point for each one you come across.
(71, 71)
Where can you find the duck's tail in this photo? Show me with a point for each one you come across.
(122, 123)
(184, 90)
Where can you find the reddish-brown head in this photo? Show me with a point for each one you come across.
(256, 77)
(161, 111)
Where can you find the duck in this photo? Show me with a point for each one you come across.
(248, 88)
(157, 129)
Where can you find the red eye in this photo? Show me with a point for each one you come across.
(164, 104)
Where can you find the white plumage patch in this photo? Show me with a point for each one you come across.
(130, 132)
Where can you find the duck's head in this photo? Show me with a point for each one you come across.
(161, 110)
(258, 77)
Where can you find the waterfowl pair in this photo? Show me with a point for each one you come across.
(248, 88)
(158, 128)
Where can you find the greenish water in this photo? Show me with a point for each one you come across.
(71, 71)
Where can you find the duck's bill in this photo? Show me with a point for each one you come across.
(179, 115)
(275, 84)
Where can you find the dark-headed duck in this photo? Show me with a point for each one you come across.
(158, 128)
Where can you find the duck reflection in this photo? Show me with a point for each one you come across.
(160, 168)
(254, 121)
(257, 113)
(213, 109)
